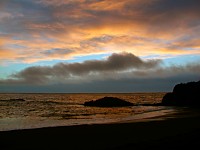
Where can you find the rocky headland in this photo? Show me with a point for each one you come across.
(184, 94)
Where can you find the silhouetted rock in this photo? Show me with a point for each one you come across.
(108, 102)
(15, 100)
(184, 94)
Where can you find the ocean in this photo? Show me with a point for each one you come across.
(47, 110)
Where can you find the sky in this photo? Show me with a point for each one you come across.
(75, 46)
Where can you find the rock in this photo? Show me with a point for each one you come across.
(108, 102)
(169, 99)
(184, 94)
(17, 100)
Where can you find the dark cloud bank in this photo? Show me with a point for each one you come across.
(122, 72)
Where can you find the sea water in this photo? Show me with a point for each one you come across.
(45, 110)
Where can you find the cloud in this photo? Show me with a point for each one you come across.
(123, 72)
(43, 30)
(157, 79)
(93, 68)
(37, 27)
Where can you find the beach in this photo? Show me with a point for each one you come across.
(99, 74)
(176, 131)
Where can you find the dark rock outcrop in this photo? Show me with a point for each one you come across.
(108, 102)
(184, 94)
(17, 100)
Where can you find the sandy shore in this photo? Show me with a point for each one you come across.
(180, 132)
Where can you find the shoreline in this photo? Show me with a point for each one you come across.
(175, 132)
(10, 124)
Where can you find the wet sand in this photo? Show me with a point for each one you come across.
(168, 132)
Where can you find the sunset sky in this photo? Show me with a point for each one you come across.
(98, 45)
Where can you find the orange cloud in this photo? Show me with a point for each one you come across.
(61, 29)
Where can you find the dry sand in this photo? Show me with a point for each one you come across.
(177, 132)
